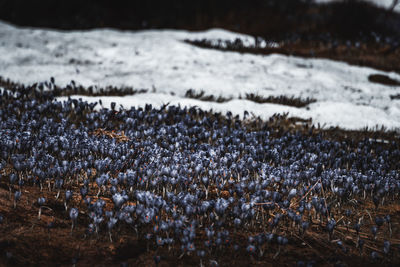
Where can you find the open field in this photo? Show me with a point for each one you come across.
(209, 133)
(187, 187)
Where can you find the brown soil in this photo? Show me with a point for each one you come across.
(27, 241)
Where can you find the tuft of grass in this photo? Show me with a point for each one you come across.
(383, 79)
(203, 97)
(74, 89)
(282, 100)
(107, 91)
(393, 97)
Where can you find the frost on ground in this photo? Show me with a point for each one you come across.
(160, 61)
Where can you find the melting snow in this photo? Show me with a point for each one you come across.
(159, 60)
(379, 3)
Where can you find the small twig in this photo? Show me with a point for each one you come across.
(323, 194)
(341, 218)
(308, 192)
(369, 216)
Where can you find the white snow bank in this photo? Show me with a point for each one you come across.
(327, 114)
(379, 3)
(159, 59)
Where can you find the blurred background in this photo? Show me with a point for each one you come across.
(270, 19)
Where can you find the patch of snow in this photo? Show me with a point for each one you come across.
(380, 3)
(327, 114)
(160, 59)
(217, 35)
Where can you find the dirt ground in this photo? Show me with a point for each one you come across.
(27, 241)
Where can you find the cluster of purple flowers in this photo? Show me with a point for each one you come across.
(183, 172)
